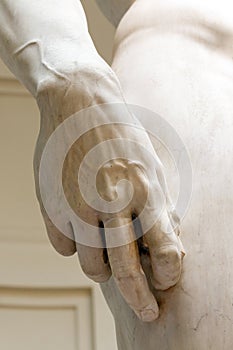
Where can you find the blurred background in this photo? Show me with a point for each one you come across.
(46, 302)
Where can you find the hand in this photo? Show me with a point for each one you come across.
(128, 183)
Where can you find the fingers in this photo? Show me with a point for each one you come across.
(63, 245)
(94, 263)
(127, 271)
(93, 259)
(165, 253)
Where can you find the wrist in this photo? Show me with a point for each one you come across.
(71, 90)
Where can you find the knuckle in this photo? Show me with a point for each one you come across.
(109, 176)
(112, 172)
(62, 244)
(168, 268)
(168, 256)
(101, 278)
(96, 275)
(128, 273)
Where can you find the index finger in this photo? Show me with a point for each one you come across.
(127, 271)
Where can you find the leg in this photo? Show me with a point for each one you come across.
(177, 74)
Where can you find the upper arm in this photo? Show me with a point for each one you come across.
(114, 10)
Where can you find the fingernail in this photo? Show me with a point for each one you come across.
(149, 314)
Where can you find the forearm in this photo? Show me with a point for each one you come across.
(45, 42)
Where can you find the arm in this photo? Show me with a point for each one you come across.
(49, 50)
(45, 40)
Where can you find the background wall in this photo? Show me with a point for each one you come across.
(45, 300)
(101, 30)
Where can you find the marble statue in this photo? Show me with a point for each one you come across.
(175, 59)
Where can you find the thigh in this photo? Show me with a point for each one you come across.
(190, 85)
